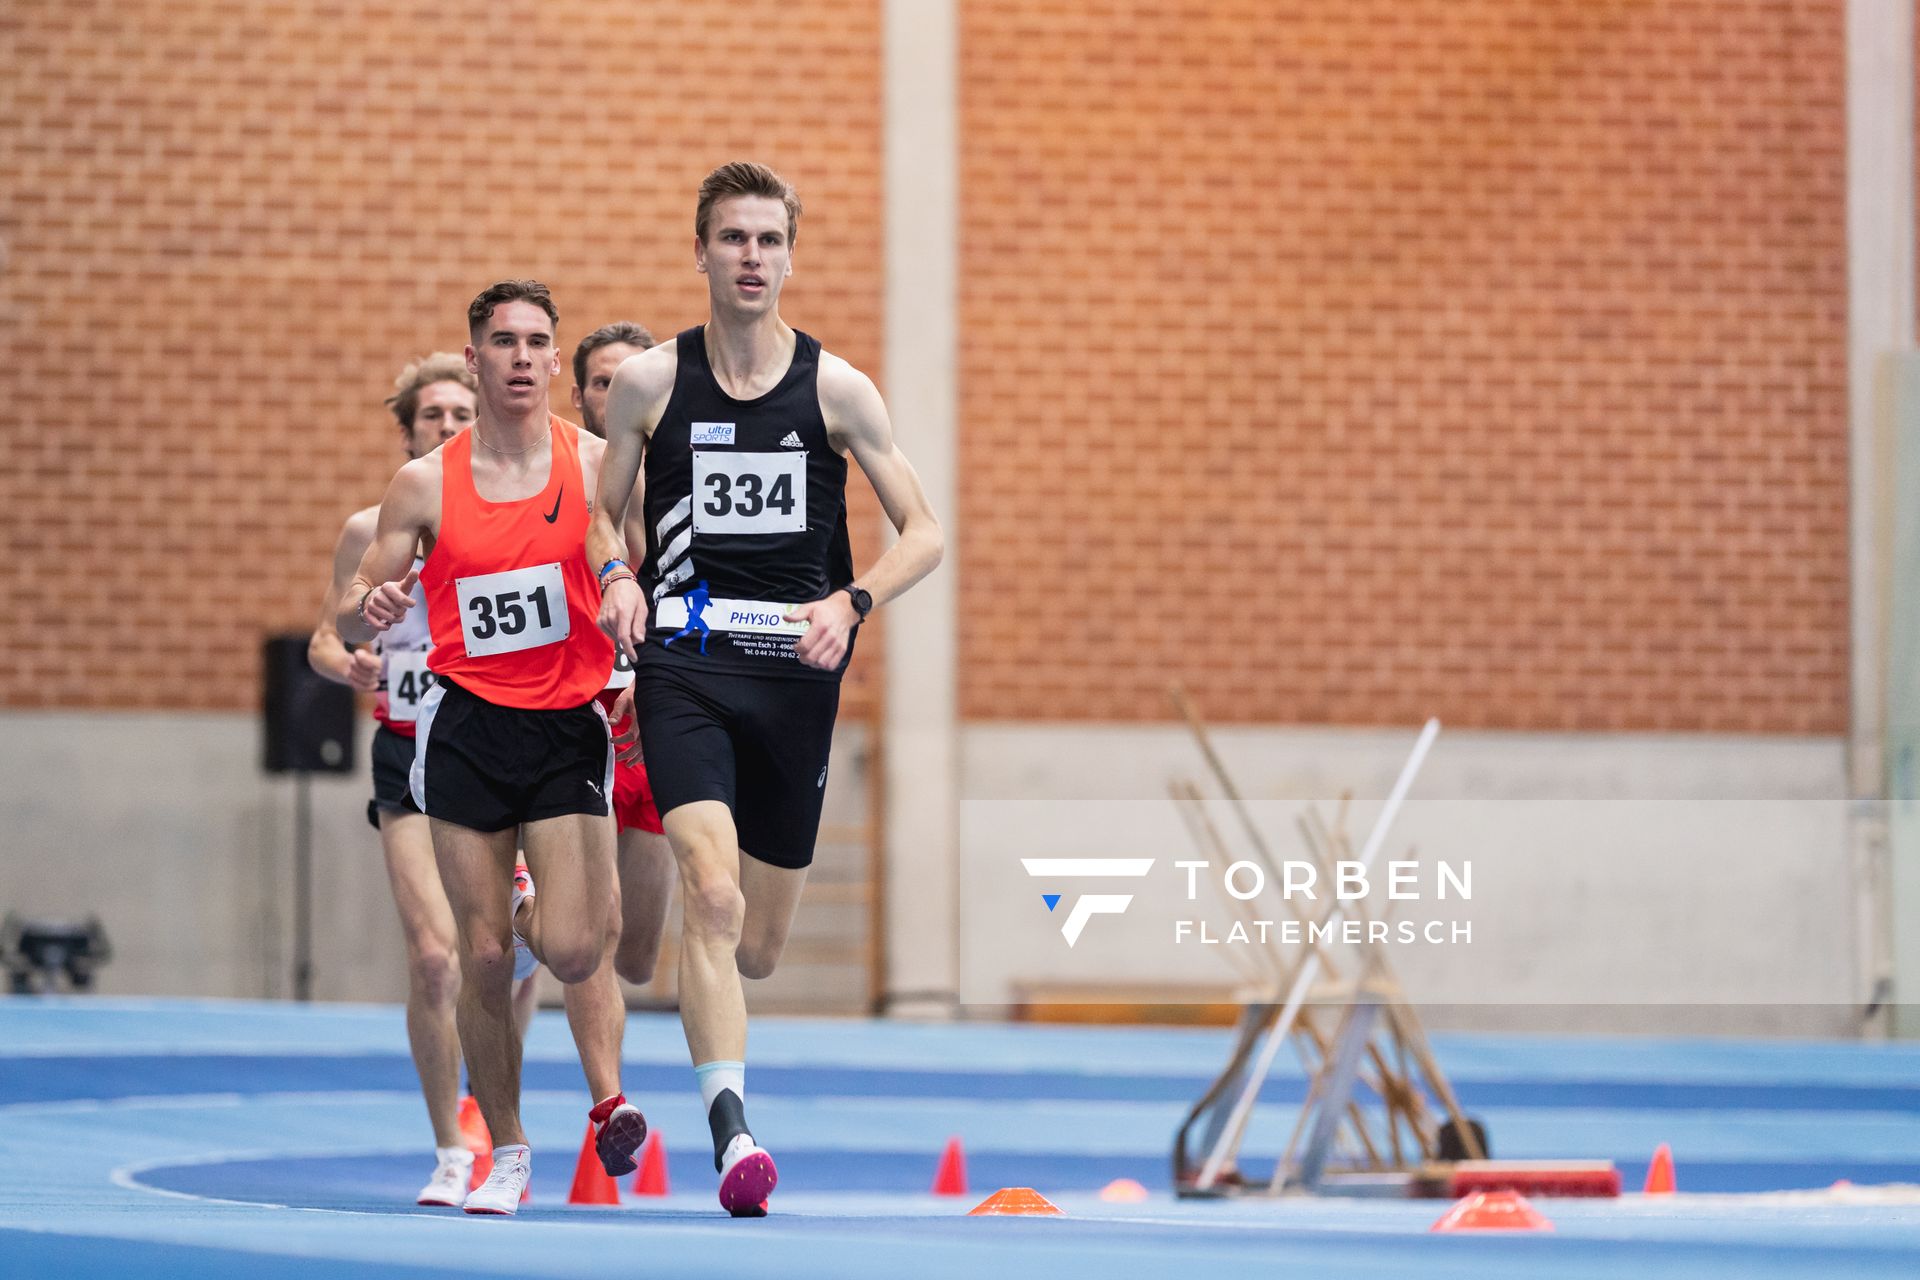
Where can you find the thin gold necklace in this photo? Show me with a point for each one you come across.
(514, 453)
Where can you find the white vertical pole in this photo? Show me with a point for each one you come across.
(1880, 327)
(920, 836)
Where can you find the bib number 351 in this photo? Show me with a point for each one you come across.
(511, 611)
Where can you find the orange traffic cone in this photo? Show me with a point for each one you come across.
(591, 1185)
(652, 1178)
(1660, 1172)
(1011, 1202)
(1493, 1211)
(473, 1132)
(950, 1179)
(1123, 1191)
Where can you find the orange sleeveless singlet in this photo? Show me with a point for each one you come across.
(511, 601)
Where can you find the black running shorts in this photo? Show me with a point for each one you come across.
(392, 763)
(757, 744)
(490, 767)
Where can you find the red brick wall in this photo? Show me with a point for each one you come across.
(227, 224)
(1348, 362)
(1352, 363)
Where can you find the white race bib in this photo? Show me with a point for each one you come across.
(511, 611)
(622, 671)
(749, 492)
(407, 682)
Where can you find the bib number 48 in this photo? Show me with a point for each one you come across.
(407, 683)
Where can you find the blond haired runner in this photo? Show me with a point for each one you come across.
(432, 399)
(740, 615)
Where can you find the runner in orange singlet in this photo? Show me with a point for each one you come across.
(510, 742)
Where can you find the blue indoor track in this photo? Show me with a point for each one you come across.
(177, 1138)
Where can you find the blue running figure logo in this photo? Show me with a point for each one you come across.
(697, 601)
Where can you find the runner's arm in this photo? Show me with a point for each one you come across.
(857, 420)
(857, 417)
(635, 525)
(385, 578)
(641, 387)
(327, 653)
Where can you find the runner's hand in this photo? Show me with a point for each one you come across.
(623, 615)
(363, 670)
(387, 603)
(626, 728)
(830, 623)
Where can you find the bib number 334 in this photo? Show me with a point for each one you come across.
(749, 492)
(511, 611)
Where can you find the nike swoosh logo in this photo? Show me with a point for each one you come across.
(555, 513)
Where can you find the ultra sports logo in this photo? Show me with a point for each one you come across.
(1088, 905)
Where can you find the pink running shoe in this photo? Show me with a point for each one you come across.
(747, 1178)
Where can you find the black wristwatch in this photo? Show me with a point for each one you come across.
(862, 602)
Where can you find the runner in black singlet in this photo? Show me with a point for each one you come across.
(746, 426)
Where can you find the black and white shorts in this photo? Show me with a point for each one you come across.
(488, 767)
(758, 744)
(392, 765)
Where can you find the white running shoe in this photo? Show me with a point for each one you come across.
(501, 1192)
(747, 1178)
(524, 961)
(450, 1177)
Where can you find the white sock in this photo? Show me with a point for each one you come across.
(453, 1153)
(715, 1076)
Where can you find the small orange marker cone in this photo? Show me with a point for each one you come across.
(1660, 1172)
(652, 1178)
(1010, 1202)
(591, 1185)
(473, 1126)
(473, 1132)
(950, 1179)
(1493, 1211)
(1123, 1191)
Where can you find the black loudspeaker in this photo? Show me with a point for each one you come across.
(308, 720)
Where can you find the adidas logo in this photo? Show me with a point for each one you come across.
(793, 441)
